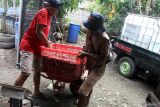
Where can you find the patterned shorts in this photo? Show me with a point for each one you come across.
(29, 61)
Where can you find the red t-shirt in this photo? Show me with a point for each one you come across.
(30, 42)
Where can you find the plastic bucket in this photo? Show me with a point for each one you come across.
(73, 33)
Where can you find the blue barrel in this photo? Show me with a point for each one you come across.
(73, 33)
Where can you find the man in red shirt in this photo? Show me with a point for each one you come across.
(36, 36)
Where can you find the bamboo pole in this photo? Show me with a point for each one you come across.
(19, 34)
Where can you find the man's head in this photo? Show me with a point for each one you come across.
(95, 23)
(53, 7)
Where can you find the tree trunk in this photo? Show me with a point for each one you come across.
(62, 26)
(14, 5)
(4, 30)
(153, 3)
(131, 4)
(139, 4)
(148, 6)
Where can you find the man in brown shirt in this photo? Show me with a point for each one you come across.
(97, 46)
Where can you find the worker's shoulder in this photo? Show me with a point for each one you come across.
(42, 12)
(106, 38)
(105, 35)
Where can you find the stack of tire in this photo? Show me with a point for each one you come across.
(7, 41)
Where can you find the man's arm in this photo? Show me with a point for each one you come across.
(41, 35)
(85, 54)
(93, 56)
(103, 52)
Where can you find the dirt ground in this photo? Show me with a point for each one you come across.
(112, 90)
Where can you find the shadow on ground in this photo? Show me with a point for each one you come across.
(63, 99)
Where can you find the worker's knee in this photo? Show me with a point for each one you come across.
(25, 75)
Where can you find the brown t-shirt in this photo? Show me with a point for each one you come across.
(96, 44)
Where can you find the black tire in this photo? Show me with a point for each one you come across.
(127, 67)
(7, 39)
(7, 45)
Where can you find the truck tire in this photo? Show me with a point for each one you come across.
(126, 67)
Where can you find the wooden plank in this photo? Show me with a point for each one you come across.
(13, 91)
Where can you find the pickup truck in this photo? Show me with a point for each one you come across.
(138, 47)
(132, 59)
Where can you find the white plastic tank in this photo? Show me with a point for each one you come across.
(142, 31)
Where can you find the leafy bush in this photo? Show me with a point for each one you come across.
(68, 6)
(114, 26)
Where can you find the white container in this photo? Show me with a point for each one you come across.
(145, 22)
(151, 23)
(131, 31)
(158, 38)
(146, 40)
(156, 47)
(124, 38)
(149, 32)
(140, 38)
(131, 41)
(151, 46)
(138, 43)
(144, 45)
(142, 31)
(137, 20)
(154, 36)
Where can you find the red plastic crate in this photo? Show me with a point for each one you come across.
(61, 63)
(62, 52)
(66, 47)
(61, 71)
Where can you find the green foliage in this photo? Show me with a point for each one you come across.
(10, 2)
(68, 6)
(32, 5)
(122, 8)
(156, 9)
(114, 25)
